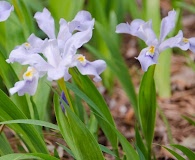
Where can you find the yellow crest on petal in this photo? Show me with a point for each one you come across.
(81, 58)
(27, 45)
(151, 49)
(29, 73)
(185, 40)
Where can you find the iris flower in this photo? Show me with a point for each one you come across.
(56, 54)
(144, 31)
(5, 10)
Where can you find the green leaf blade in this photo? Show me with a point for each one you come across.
(9, 111)
(190, 154)
(84, 82)
(147, 106)
(78, 137)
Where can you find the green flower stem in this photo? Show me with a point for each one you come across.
(62, 86)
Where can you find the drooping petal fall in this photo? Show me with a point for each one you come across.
(28, 85)
(147, 60)
(94, 68)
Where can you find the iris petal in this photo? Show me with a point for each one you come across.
(46, 23)
(146, 60)
(167, 24)
(5, 10)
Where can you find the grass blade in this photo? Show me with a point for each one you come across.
(78, 134)
(147, 106)
(5, 147)
(192, 122)
(29, 134)
(128, 149)
(142, 152)
(179, 157)
(190, 154)
(84, 82)
(24, 156)
(33, 122)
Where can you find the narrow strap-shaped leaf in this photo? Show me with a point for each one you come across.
(190, 154)
(179, 157)
(31, 137)
(64, 126)
(42, 98)
(128, 149)
(147, 106)
(189, 120)
(140, 146)
(85, 145)
(67, 150)
(5, 147)
(24, 156)
(32, 121)
(87, 87)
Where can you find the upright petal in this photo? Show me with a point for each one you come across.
(167, 24)
(64, 33)
(76, 41)
(135, 26)
(46, 23)
(146, 33)
(82, 16)
(5, 10)
(36, 44)
(82, 21)
(52, 53)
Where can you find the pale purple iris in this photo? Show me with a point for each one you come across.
(5, 10)
(56, 54)
(144, 31)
